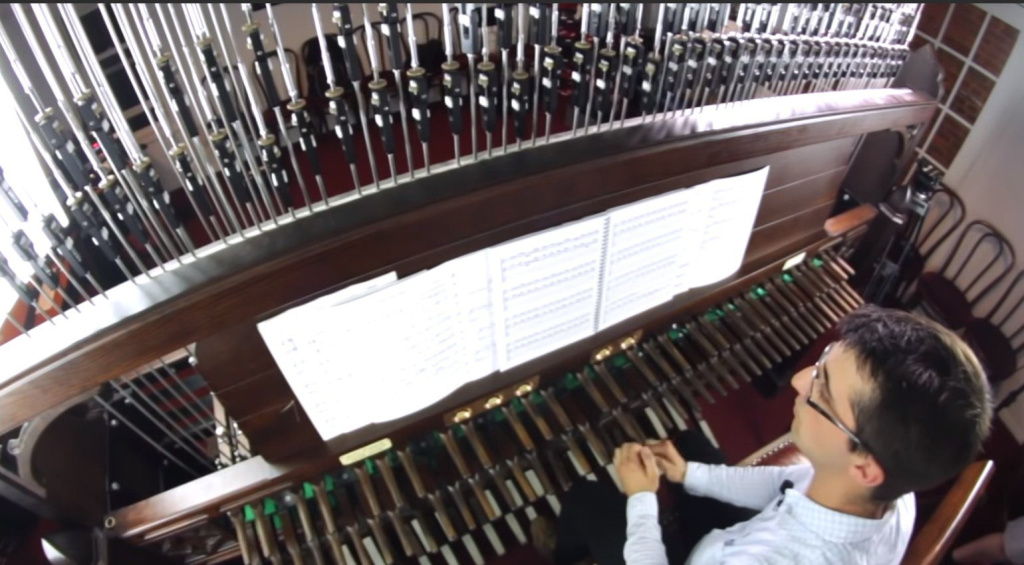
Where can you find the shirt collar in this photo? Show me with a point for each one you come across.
(831, 524)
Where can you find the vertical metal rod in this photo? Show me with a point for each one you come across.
(233, 133)
(155, 199)
(422, 107)
(504, 100)
(293, 93)
(456, 104)
(160, 123)
(168, 141)
(384, 126)
(333, 91)
(210, 118)
(147, 405)
(186, 406)
(470, 57)
(536, 92)
(618, 73)
(110, 409)
(396, 54)
(197, 100)
(79, 89)
(595, 46)
(69, 115)
(554, 44)
(485, 57)
(17, 325)
(246, 116)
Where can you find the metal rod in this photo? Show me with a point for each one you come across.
(247, 114)
(210, 117)
(144, 407)
(195, 100)
(465, 16)
(293, 93)
(186, 406)
(229, 135)
(157, 116)
(335, 102)
(453, 90)
(155, 192)
(346, 28)
(69, 115)
(419, 88)
(379, 98)
(106, 406)
(115, 152)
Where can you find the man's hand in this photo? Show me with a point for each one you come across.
(637, 468)
(669, 460)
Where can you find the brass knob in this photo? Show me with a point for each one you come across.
(603, 354)
(463, 415)
(493, 402)
(628, 342)
(524, 389)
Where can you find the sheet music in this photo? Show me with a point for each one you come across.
(545, 289)
(643, 255)
(468, 281)
(399, 343)
(694, 216)
(729, 209)
(302, 342)
(386, 348)
(375, 354)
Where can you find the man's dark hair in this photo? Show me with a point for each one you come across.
(929, 410)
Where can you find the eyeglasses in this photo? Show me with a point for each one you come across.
(819, 368)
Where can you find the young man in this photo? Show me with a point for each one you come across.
(897, 404)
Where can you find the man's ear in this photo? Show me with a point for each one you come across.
(867, 472)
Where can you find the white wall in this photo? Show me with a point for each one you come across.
(988, 174)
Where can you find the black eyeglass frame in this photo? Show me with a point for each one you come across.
(819, 368)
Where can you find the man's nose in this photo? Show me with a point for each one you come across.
(801, 381)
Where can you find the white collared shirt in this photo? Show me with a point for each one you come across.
(791, 528)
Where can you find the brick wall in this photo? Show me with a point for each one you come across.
(973, 47)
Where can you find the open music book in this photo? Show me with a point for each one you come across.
(385, 348)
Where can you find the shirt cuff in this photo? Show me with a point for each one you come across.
(641, 504)
(697, 478)
(1013, 541)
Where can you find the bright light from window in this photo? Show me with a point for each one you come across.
(24, 173)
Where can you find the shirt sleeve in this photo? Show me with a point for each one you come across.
(643, 533)
(1013, 541)
(747, 487)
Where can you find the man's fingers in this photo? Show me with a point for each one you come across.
(647, 458)
(667, 450)
(663, 449)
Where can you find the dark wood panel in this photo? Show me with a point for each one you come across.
(282, 430)
(419, 225)
(768, 239)
(262, 392)
(803, 162)
(801, 195)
